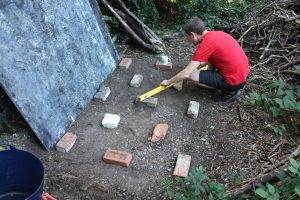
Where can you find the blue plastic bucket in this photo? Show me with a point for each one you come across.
(21, 175)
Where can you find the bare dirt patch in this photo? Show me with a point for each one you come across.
(220, 138)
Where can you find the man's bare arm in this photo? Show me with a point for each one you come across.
(185, 73)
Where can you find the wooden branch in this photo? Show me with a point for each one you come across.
(295, 62)
(263, 54)
(295, 154)
(262, 179)
(137, 19)
(153, 47)
(290, 72)
(245, 33)
(135, 27)
(259, 180)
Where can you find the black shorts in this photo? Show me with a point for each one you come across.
(213, 79)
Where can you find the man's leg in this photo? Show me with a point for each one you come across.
(213, 79)
(194, 78)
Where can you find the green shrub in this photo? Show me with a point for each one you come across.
(282, 100)
(196, 186)
(289, 187)
(146, 11)
(217, 14)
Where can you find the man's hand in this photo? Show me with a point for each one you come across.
(164, 83)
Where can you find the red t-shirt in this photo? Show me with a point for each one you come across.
(225, 54)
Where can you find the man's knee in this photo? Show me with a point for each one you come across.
(194, 76)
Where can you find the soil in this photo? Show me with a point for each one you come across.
(219, 139)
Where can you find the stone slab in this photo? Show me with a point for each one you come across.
(54, 56)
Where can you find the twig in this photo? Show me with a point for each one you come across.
(295, 154)
(245, 33)
(261, 179)
(290, 72)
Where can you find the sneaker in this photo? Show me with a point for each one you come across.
(228, 96)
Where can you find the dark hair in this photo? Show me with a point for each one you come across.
(195, 25)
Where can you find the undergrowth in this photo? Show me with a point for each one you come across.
(217, 14)
(282, 100)
(198, 186)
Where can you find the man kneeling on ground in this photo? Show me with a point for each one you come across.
(229, 64)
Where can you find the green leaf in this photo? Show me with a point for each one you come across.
(298, 90)
(261, 192)
(297, 68)
(297, 107)
(201, 189)
(293, 170)
(282, 175)
(294, 163)
(274, 84)
(271, 188)
(297, 190)
(288, 103)
(255, 96)
(210, 197)
(170, 194)
(279, 102)
(275, 111)
(179, 180)
(280, 92)
(272, 198)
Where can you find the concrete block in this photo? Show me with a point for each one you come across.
(111, 120)
(178, 86)
(161, 66)
(151, 102)
(136, 80)
(103, 93)
(117, 157)
(66, 142)
(182, 165)
(193, 109)
(159, 132)
(125, 63)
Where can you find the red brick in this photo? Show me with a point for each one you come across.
(66, 142)
(163, 66)
(125, 63)
(117, 157)
(182, 165)
(159, 132)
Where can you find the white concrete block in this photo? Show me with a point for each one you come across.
(193, 109)
(136, 80)
(111, 120)
(151, 102)
(103, 93)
